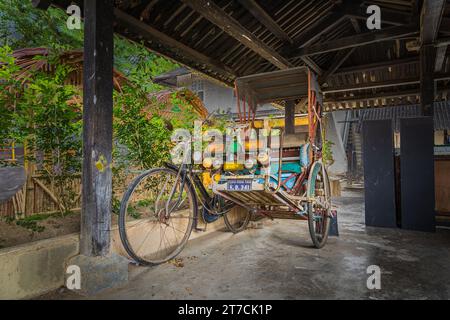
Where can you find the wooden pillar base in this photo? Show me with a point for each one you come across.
(100, 273)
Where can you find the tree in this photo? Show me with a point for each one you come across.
(9, 87)
(51, 120)
(145, 134)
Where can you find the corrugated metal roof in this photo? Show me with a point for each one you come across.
(441, 114)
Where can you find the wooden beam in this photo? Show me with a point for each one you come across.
(380, 95)
(341, 56)
(442, 42)
(385, 84)
(445, 26)
(372, 96)
(312, 65)
(324, 25)
(387, 16)
(372, 85)
(377, 65)
(430, 20)
(97, 128)
(415, 12)
(289, 117)
(262, 16)
(440, 58)
(355, 24)
(145, 14)
(150, 33)
(357, 40)
(210, 11)
(427, 86)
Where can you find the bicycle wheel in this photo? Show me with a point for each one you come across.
(319, 211)
(237, 221)
(156, 216)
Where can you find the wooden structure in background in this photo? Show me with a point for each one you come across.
(442, 178)
(361, 68)
(38, 196)
(225, 40)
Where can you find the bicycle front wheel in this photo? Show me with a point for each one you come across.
(156, 216)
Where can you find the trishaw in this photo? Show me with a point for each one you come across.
(261, 169)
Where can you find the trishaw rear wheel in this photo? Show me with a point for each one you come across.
(237, 221)
(319, 210)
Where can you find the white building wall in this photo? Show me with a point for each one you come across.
(334, 131)
(218, 97)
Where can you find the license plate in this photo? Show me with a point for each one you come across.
(239, 185)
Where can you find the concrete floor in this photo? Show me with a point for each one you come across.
(278, 262)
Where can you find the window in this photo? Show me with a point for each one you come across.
(197, 88)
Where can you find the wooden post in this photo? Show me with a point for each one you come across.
(427, 84)
(430, 21)
(97, 127)
(289, 117)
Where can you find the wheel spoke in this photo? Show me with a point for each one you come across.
(157, 235)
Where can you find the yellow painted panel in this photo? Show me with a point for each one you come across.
(279, 122)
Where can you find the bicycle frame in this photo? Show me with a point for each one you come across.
(200, 192)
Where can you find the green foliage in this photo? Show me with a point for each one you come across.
(24, 26)
(40, 114)
(145, 135)
(187, 115)
(30, 224)
(52, 127)
(8, 94)
(327, 153)
(139, 64)
(52, 124)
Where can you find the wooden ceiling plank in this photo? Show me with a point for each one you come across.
(341, 56)
(217, 16)
(378, 65)
(357, 40)
(384, 84)
(262, 16)
(391, 17)
(314, 32)
(153, 34)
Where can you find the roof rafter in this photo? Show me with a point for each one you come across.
(387, 16)
(217, 16)
(384, 84)
(313, 33)
(341, 56)
(430, 20)
(262, 16)
(153, 34)
(357, 40)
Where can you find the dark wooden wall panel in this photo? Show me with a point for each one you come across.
(379, 173)
(417, 173)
